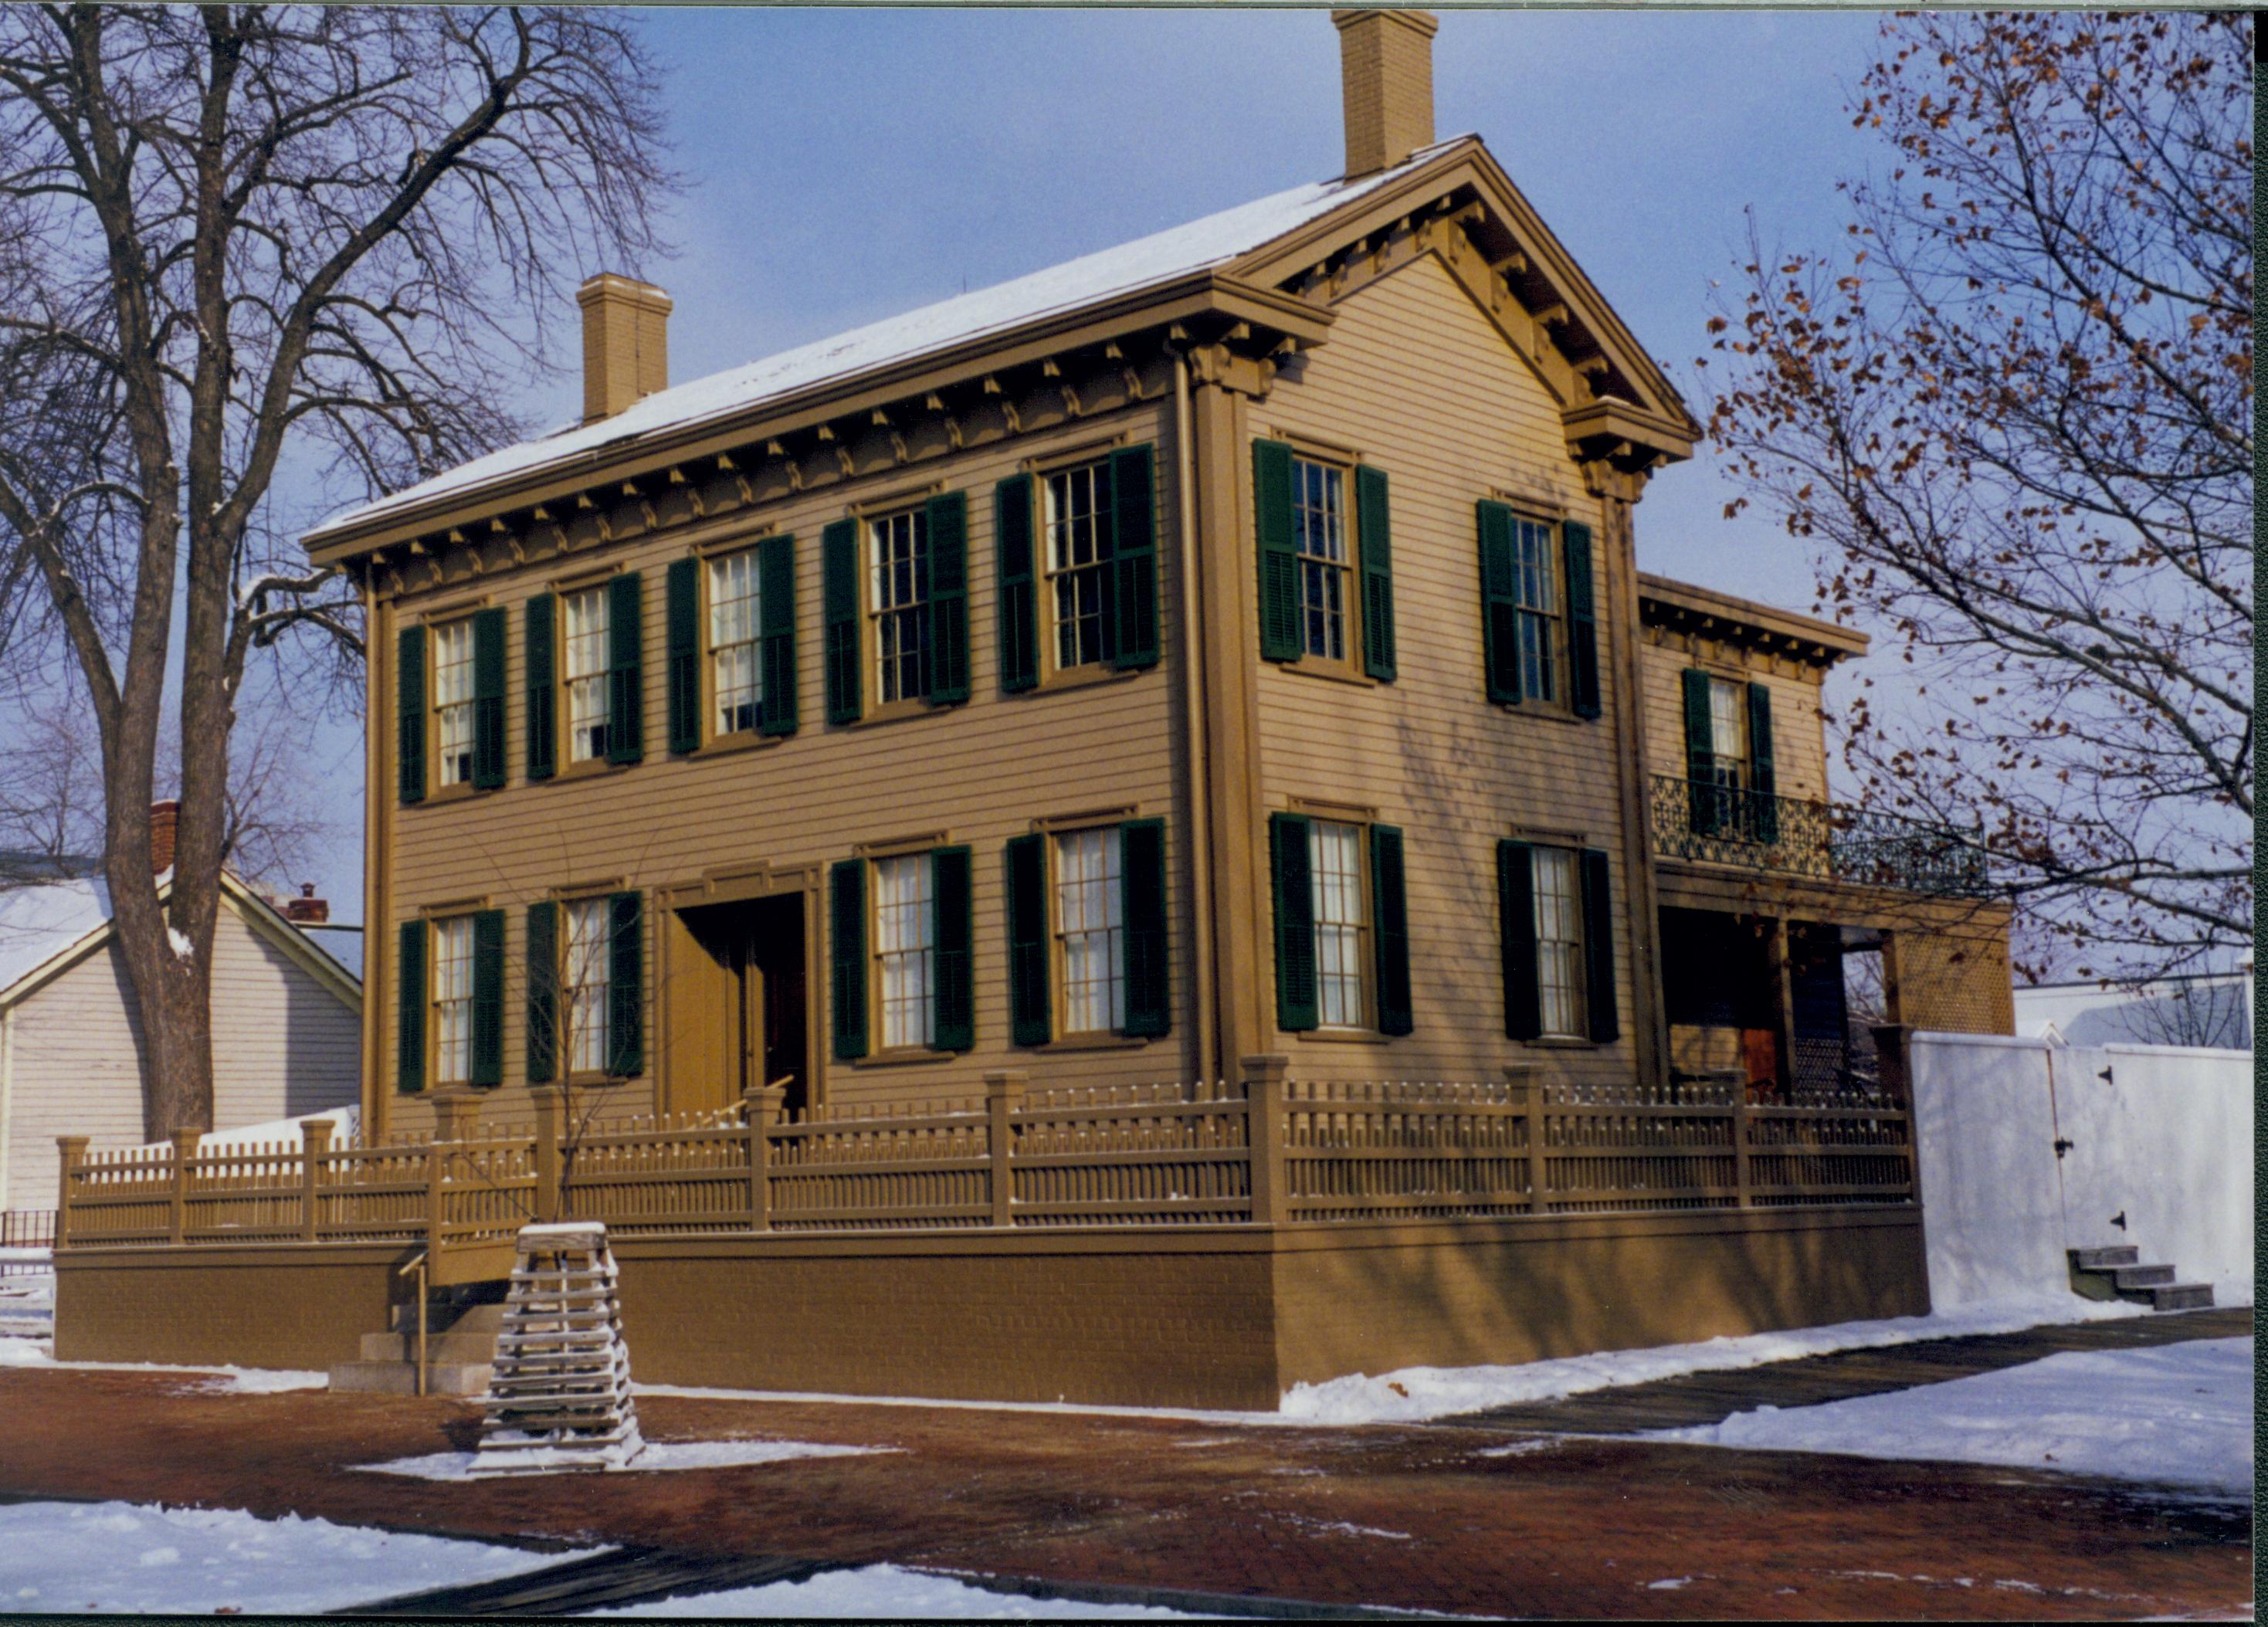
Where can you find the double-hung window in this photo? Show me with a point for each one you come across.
(1729, 734)
(1560, 968)
(584, 616)
(587, 981)
(1091, 929)
(1342, 924)
(1079, 563)
(735, 682)
(1536, 582)
(905, 950)
(453, 1000)
(898, 604)
(452, 701)
(1326, 557)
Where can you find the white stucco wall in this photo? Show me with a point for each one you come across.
(2166, 1141)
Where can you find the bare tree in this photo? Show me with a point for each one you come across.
(235, 240)
(2015, 407)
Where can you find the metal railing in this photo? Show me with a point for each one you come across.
(1823, 841)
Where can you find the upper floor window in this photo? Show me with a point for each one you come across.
(736, 684)
(584, 615)
(1091, 929)
(453, 1000)
(587, 967)
(452, 701)
(1560, 968)
(1342, 923)
(1319, 519)
(1728, 733)
(905, 950)
(1077, 562)
(898, 604)
(1536, 584)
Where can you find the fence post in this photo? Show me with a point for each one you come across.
(185, 1148)
(70, 1151)
(317, 1136)
(1526, 1081)
(1264, 1136)
(1004, 1093)
(547, 1102)
(761, 1106)
(453, 1114)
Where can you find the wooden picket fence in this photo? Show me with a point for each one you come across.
(1260, 1150)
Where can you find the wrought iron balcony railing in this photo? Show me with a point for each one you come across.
(1723, 825)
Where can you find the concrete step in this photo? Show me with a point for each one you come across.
(450, 1347)
(442, 1317)
(2104, 1258)
(2182, 1297)
(400, 1378)
(2133, 1276)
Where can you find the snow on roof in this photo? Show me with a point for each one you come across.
(39, 923)
(1160, 257)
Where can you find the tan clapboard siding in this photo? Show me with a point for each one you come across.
(980, 773)
(284, 1044)
(1799, 731)
(1416, 379)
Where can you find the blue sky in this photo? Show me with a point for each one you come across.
(846, 164)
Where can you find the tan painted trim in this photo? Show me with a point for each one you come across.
(1327, 809)
(585, 575)
(1048, 824)
(596, 887)
(453, 907)
(1662, 602)
(1057, 460)
(898, 847)
(454, 609)
(1316, 449)
(891, 501)
(729, 541)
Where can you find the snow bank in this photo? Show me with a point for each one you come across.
(345, 1122)
(64, 1557)
(886, 1593)
(658, 1455)
(2173, 1414)
(1413, 1394)
(226, 1380)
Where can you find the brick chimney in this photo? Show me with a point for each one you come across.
(1386, 78)
(162, 815)
(307, 909)
(625, 343)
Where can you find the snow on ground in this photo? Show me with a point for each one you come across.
(232, 1380)
(63, 1558)
(884, 1592)
(1413, 1394)
(658, 1455)
(2179, 1414)
(695, 1392)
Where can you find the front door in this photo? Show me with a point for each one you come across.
(735, 999)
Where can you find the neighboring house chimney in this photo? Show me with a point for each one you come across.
(307, 909)
(625, 343)
(1386, 77)
(162, 817)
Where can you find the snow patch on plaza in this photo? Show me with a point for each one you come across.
(143, 1558)
(2170, 1414)
(887, 1593)
(659, 1456)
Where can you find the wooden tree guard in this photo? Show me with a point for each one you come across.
(559, 1395)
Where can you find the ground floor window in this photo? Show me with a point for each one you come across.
(905, 949)
(1559, 969)
(1342, 925)
(1090, 929)
(589, 964)
(453, 1000)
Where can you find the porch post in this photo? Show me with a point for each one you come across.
(317, 1136)
(546, 1100)
(1004, 1093)
(1264, 1136)
(1526, 1081)
(1741, 1180)
(185, 1148)
(70, 1151)
(1782, 980)
(761, 1106)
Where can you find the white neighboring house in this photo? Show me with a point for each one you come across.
(287, 1024)
(2205, 1008)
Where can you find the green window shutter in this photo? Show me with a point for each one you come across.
(1018, 587)
(951, 887)
(1582, 621)
(626, 986)
(1134, 557)
(409, 1009)
(1390, 931)
(1142, 893)
(1025, 867)
(1599, 946)
(488, 998)
(1278, 550)
(681, 588)
(775, 708)
(1295, 921)
(949, 598)
(1705, 804)
(1499, 602)
(848, 933)
(625, 669)
(1764, 808)
(409, 713)
(542, 622)
(1374, 541)
(838, 548)
(542, 991)
(1515, 893)
(487, 699)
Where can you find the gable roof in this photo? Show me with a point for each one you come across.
(1163, 256)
